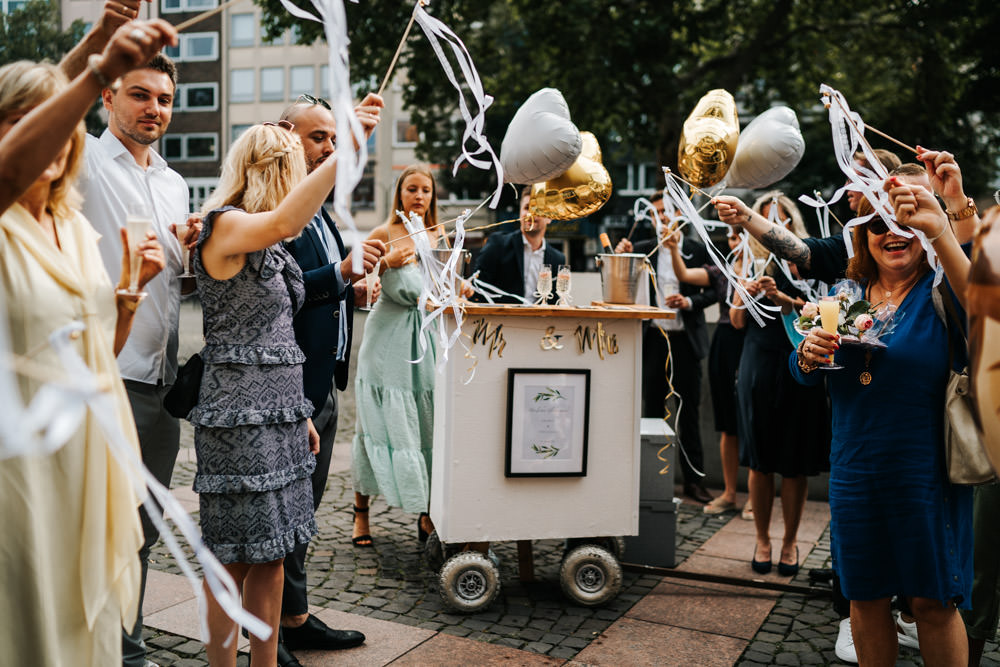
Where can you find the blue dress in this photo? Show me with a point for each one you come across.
(898, 526)
(254, 477)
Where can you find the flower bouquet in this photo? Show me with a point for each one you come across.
(860, 323)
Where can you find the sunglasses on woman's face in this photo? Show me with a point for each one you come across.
(878, 227)
(309, 99)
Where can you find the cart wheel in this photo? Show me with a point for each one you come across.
(616, 545)
(434, 551)
(469, 581)
(590, 575)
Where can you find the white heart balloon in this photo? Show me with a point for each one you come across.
(769, 148)
(541, 142)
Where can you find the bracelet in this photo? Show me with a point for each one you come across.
(944, 228)
(967, 212)
(92, 65)
(804, 365)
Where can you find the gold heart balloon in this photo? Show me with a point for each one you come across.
(984, 336)
(583, 189)
(708, 141)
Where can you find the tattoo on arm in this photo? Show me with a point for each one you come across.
(787, 246)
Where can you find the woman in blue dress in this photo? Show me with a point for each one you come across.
(898, 526)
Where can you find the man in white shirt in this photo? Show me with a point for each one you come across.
(122, 169)
(511, 261)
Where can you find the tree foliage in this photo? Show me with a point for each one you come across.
(924, 71)
(32, 33)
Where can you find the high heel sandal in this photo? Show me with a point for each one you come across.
(422, 534)
(789, 569)
(366, 539)
(759, 566)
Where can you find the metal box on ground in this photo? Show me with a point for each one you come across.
(655, 544)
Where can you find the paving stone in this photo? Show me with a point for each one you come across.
(787, 659)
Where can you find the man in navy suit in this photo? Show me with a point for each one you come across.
(323, 329)
(510, 261)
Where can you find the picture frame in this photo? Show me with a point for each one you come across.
(548, 422)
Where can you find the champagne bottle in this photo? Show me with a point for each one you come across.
(606, 244)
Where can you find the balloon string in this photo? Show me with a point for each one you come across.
(467, 229)
(667, 170)
(399, 49)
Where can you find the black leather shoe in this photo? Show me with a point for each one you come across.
(285, 658)
(697, 492)
(314, 634)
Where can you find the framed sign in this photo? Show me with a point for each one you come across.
(548, 417)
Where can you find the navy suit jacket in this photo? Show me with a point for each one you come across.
(501, 264)
(317, 324)
(701, 297)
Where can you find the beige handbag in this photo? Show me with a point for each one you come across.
(964, 453)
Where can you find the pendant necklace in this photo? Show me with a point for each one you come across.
(866, 378)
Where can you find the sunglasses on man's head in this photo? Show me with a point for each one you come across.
(878, 227)
(284, 124)
(309, 99)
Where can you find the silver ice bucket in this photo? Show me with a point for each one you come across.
(620, 276)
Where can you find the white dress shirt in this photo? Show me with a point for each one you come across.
(667, 284)
(533, 260)
(112, 180)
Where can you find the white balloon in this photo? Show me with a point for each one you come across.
(541, 142)
(769, 148)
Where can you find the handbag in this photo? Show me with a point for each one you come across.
(183, 395)
(964, 453)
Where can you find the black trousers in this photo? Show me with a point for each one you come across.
(687, 376)
(293, 597)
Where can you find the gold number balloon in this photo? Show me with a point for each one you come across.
(708, 141)
(984, 336)
(583, 189)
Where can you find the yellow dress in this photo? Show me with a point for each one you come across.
(69, 569)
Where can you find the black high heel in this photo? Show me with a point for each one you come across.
(787, 569)
(761, 566)
(422, 534)
(366, 539)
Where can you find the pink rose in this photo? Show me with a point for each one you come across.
(863, 322)
(810, 310)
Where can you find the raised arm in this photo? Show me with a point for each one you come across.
(779, 240)
(37, 138)
(917, 208)
(946, 179)
(692, 276)
(116, 13)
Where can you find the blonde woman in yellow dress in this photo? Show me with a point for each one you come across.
(68, 566)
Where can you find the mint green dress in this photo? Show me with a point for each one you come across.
(395, 398)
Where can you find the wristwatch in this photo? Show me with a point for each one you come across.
(966, 212)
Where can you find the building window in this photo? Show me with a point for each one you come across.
(406, 133)
(242, 29)
(241, 85)
(172, 6)
(195, 46)
(295, 35)
(264, 41)
(324, 81)
(8, 6)
(641, 179)
(197, 97)
(302, 80)
(200, 189)
(191, 147)
(235, 131)
(272, 84)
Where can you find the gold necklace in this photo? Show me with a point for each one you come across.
(866, 378)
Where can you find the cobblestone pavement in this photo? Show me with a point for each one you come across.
(392, 582)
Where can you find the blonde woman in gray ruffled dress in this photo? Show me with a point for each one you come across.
(253, 437)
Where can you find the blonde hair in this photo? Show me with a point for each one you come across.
(430, 219)
(24, 85)
(788, 206)
(261, 168)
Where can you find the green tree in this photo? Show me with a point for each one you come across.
(32, 33)
(921, 70)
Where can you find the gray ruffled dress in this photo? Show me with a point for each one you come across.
(250, 433)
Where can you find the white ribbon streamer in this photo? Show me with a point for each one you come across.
(437, 31)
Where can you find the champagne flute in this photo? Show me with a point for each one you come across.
(829, 315)
(138, 225)
(181, 231)
(563, 284)
(543, 288)
(758, 267)
(371, 279)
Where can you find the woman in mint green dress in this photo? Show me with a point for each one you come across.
(395, 396)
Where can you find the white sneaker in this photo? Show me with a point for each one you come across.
(906, 633)
(845, 643)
